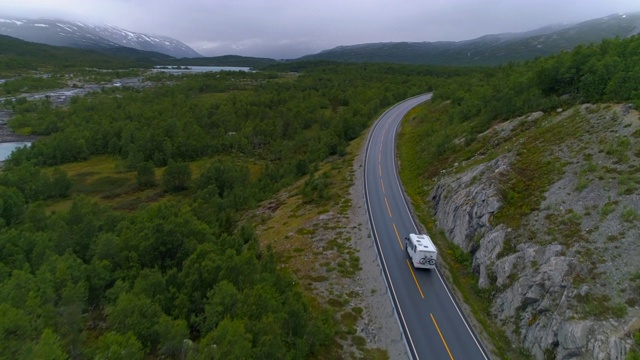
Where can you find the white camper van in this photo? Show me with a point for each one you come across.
(421, 250)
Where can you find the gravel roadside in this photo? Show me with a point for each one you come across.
(379, 324)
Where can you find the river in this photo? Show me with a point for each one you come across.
(198, 69)
(7, 148)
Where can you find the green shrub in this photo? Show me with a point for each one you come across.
(629, 215)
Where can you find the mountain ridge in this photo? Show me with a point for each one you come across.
(490, 49)
(78, 34)
(486, 50)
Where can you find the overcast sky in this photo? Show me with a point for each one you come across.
(292, 28)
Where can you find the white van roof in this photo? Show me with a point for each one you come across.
(423, 242)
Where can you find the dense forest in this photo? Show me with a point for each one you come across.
(468, 105)
(179, 274)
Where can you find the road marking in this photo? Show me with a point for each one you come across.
(441, 337)
(382, 183)
(398, 236)
(368, 168)
(388, 208)
(418, 285)
(380, 169)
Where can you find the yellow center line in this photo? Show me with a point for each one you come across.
(388, 208)
(441, 337)
(416, 280)
(382, 182)
(398, 236)
(380, 156)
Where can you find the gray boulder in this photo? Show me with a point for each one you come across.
(464, 205)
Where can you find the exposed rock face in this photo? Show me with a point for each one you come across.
(464, 210)
(543, 284)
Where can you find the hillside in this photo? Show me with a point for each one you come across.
(527, 177)
(20, 57)
(102, 38)
(563, 279)
(489, 49)
(226, 60)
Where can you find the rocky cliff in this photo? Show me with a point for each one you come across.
(565, 280)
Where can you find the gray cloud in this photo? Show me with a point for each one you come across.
(292, 28)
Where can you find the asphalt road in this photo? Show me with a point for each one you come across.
(433, 326)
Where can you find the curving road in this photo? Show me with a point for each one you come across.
(430, 319)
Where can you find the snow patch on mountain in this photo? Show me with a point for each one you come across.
(93, 36)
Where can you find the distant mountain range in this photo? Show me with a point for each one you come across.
(104, 38)
(488, 49)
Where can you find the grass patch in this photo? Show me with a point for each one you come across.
(375, 354)
(128, 203)
(305, 231)
(599, 306)
(582, 183)
(345, 206)
(607, 209)
(565, 227)
(110, 186)
(359, 341)
(349, 320)
(336, 303)
(583, 176)
(100, 179)
(629, 215)
(318, 278)
(628, 184)
(619, 150)
(524, 185)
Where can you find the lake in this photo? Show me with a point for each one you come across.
(7, 148)
(197, 69)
